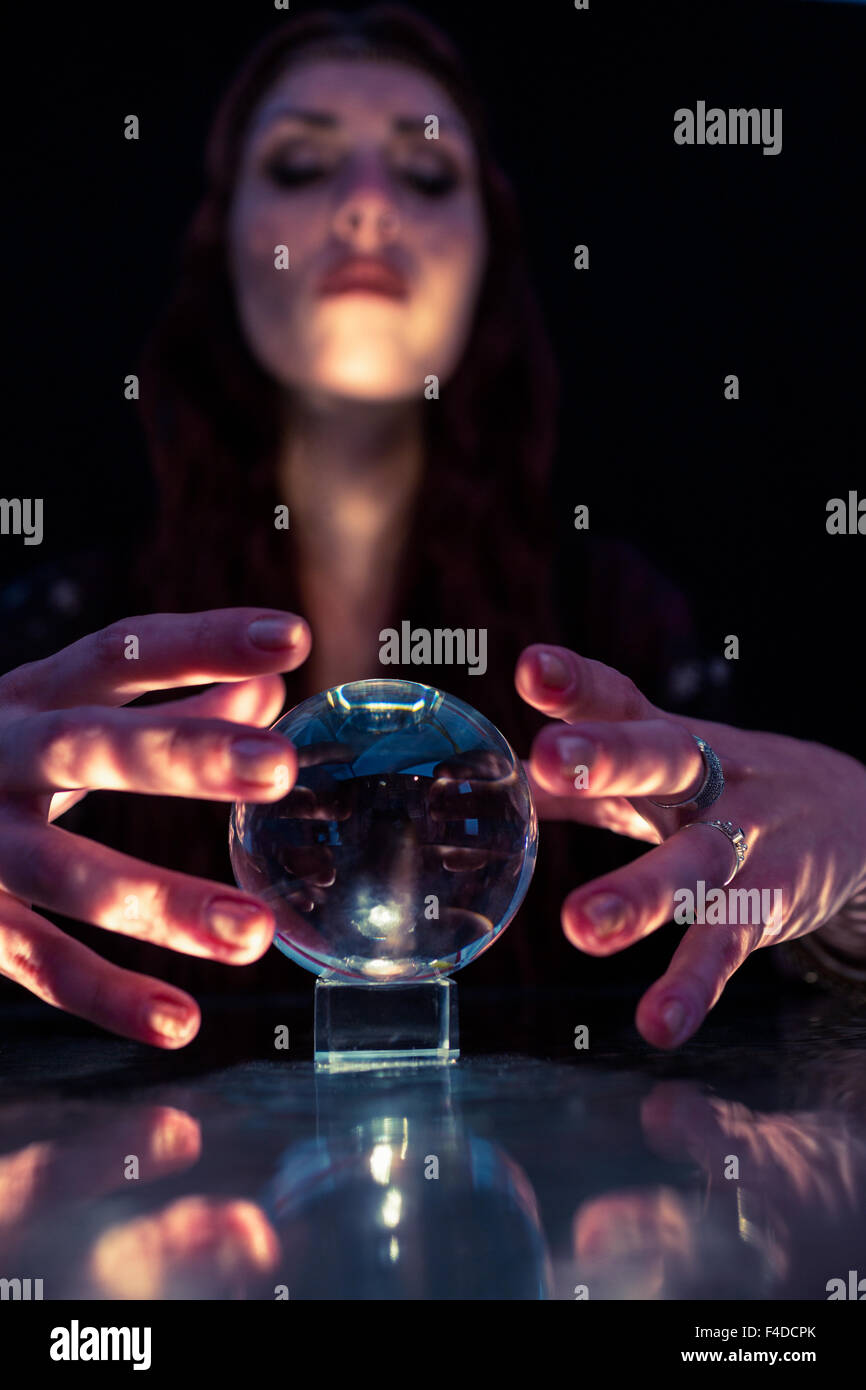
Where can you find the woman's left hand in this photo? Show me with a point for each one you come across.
(801, 807)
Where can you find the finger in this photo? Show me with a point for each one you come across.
(799, 1154)
(607, 813)
(637, 1231)
(312, 863)
(329, 800)
(477, 784)
(463, 861)
(161, 651)
(706, 958)
(477, 765)
(82, 1164)
(68, 975)
(567, 686)
(213, 1245)
(448, 799)
(258, 701)
(68, 874)
(321, 754)
(641, 757)
(619, 908)
(678, 1117)
(143, 750)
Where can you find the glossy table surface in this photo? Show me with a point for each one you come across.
(733, 1168)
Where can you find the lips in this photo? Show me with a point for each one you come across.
(365, 274)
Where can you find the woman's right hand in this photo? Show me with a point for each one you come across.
(61, 735)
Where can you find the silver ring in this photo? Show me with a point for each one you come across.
(736, 837)
(711, 788)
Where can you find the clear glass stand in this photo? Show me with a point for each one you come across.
(360, 1026)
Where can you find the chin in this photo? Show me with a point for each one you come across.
(363, 376)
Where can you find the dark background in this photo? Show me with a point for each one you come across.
(703, 261)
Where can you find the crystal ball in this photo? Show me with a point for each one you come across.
(405, 846)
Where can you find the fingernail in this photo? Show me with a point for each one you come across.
(274, 634)
(606, 912)
(255, 759)
(175, 1135)
(554, 672)
(573, 752)
(232, 919)
(168, 1017)
(673, 1017)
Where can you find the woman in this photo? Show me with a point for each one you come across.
(350, 405)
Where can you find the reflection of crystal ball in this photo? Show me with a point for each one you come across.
(407, 843)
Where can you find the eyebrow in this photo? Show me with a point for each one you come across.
(325, 120)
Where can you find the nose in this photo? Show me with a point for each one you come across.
(366, 217)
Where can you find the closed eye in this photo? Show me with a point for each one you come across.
(290, 170)
(433, 183)
(288, 174)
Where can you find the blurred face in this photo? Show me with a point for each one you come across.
(384, 230)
